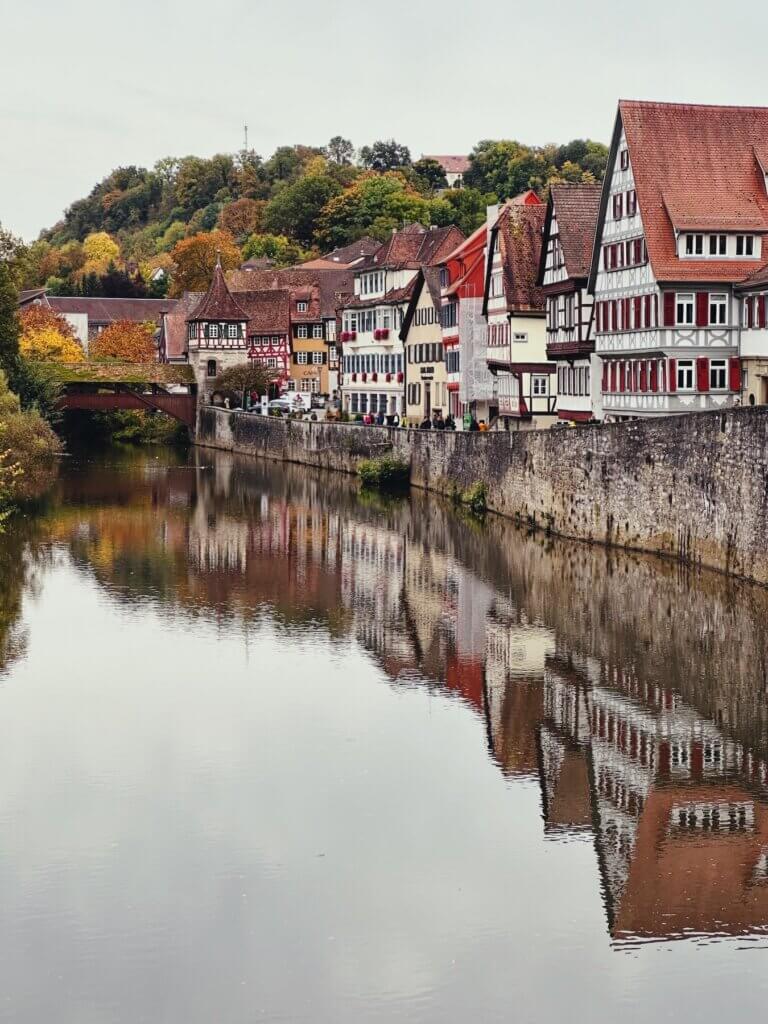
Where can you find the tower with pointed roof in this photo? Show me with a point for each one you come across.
(216, 333)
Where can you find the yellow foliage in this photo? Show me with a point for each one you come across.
(47, 345)
(101, 248)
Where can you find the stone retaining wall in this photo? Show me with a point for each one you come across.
(691, 487)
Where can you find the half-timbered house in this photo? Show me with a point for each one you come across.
(566, 254)
(682, 221)
(216, 334)
(426, 385)
(268, 330)
(514, 307)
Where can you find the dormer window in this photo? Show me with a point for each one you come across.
(745, 245)
(302, 307)
(624, 159)
(718, 245)
(694, 245)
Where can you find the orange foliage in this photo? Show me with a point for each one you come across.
(195, 260)
(38, 318)
(130, 342)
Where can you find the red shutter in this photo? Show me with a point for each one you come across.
(669, 309)
(672, 375)
(622, 377)
(614, 315)
(654, 375)
(750, 311)
(605, 377)
(638, 311)
(627, 323)
(606, 262)
(702, 374)
(734, 374)
(761, 312)
(644, 376)
(702, 309)
(647, 317)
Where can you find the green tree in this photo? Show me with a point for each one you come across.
(464, 207)
(245, 379)
(508, 168)
(385, 155)
(296, 208)
(340, 150)
(282, 251)
(374, 205)
(9, 321)
(429, 176)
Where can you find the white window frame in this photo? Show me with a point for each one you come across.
(686, 377)
(291, 385)
(745, 243)
(694, 244)
(685, 301)
(718, 375)
(302, 307)
(213, 331)
(718, 309)
(232, 330)
(718, 245)
(317, 358)
(317, 330)
(520, 337)
(302, 358)
(540, 386)
(303, 331)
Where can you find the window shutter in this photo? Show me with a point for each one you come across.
(702, 374)
(605, 377)
(734, 374)
(750, 311)
(669, 309)
(647, 317)
(644, 375)
(761, 319)
(672, 383)
(626, 314)
(622, 377)
(702, 309)
(654, 376)
(638, 311)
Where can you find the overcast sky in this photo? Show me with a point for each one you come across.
(86, 86)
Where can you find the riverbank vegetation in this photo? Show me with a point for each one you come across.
(386, 473)
(141, 232)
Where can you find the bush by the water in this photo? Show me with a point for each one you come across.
(27, 449)
(476, 498)
(387, 473)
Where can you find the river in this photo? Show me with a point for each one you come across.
(272, 749)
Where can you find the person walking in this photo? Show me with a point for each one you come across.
(473, 424)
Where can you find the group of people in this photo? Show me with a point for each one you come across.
(381, 419)
(438, 422)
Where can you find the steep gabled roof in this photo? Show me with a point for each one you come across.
(694, 167)
(518, 233)
(106, 311)
(267, 311)
(576, 208)
(429, 276)
(450, 164)
(332, 283)
(415, 246)
(174, 325)
(346, 255)
(218, 304)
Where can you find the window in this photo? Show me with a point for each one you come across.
(317, 358)
(213, 330)
(631, 203)
(618, 206)
(539, 386)
(275, 340)
(332, 353)
(303, 332)
(685, 308)
(745, 245)
(314, 385)
(685, 375)
(717, 375)
(624, 159)
(520, 337)
(304, 384)
(317, 330)
(271, 362)
(291, 385)
(718, 309)
(330, 330)
(232, 330)
(717, 245)
(453, 360)
(445, 278)
(302, 358)
(211, 368)
(449, 315)
(302, 307)
(497, 287)
(694, 245)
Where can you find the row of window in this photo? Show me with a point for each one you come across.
(307, 385)
(302, 358)
(681, 309)
(438, 393)
(365, 320)
(377, 363)
(209, 330)
(629, 253)
(624, 204)
(718, 246)
(302, 331)
(449, 315)
(372, 284)
(373, 402)
(659, 375)
(428, 353)
(561, 312)
(637, 313)
(573, 380)
(453, 360)
(424, 316)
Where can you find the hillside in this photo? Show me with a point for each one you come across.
(140, 232)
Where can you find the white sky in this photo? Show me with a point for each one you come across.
(86, 86)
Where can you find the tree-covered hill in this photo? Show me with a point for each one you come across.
(141, 230)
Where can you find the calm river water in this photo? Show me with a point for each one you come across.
(272, 750)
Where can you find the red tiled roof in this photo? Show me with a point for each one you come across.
(332, 283)
(174, 325)
(348, 254)
(576, 208)
(218, 303)
(268, 311)
(450, 164)
(696, 167)
(519, 230)
(414, 246)
(106, 311)
(311, 295)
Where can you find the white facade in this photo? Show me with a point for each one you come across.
(214, 347)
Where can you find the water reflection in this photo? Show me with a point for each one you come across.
(633, 695)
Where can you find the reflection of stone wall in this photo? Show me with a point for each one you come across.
(689, 486)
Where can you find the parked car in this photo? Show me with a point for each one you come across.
(281, 405)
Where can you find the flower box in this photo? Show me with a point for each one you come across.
(374, 376)
(388, 378)
(400, 378)
(377, 334)
(351, 335)
(365, 376)
(354, 376)
(384, 333)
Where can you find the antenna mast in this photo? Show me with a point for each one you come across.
(246, 138)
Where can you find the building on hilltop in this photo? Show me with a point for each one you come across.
(373, 355)
(566, 254)
(454, 168)
(514, 307)
(680, 234)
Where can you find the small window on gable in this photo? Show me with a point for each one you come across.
(624, 159)
(717, 245)
(302, 307)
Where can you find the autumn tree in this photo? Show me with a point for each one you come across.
(127, 341)
(38, 317)
(101, 249)
(282, 251)
(49, 345)
(249, 378)
(195, 259)
(242, 218)
(9, 321)
(374, 205)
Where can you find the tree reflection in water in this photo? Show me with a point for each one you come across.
(632, 692)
